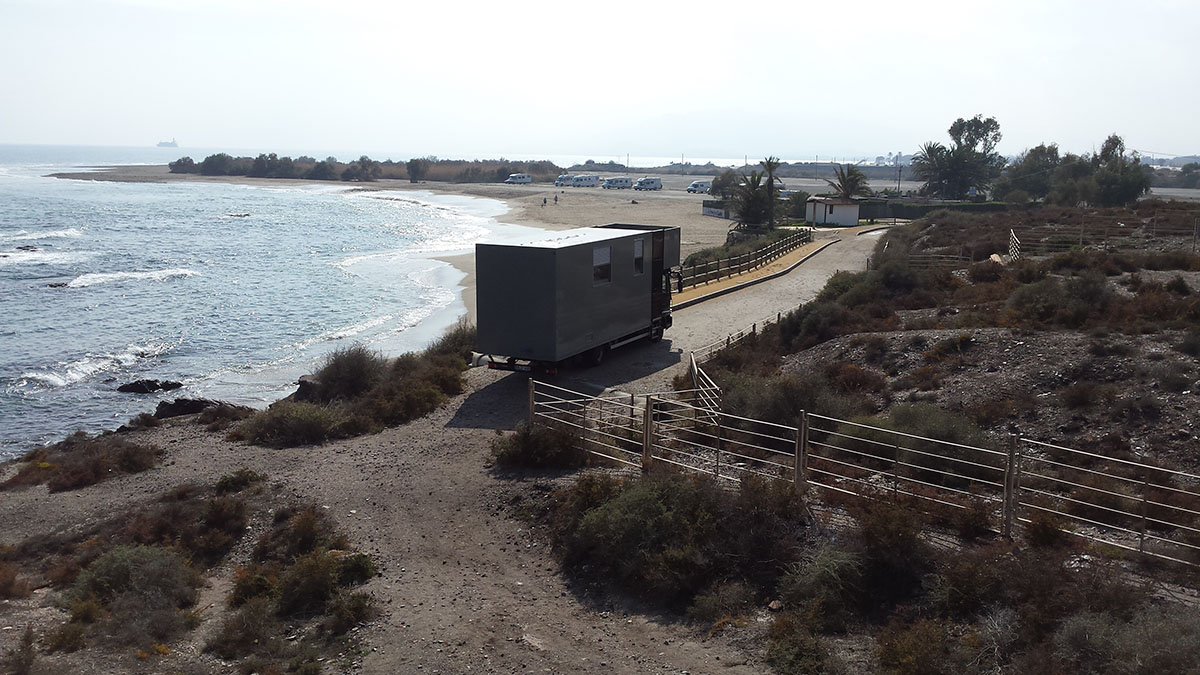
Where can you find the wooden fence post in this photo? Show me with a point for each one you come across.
(1145, 515)
(529, 421)
(1009, 468)
(800, 477)
(720, 442)
(647, 434)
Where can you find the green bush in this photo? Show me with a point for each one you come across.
(792, 649)
(925, 647)
(238, 480)
(69, 637)
(539, 447)
(81, 460)
(348, 373)
(288, 424)
(307, 585)
(347, 610)
(671, 536)
(826, 585)
(724, 600)
(248, 631)
(297, 532)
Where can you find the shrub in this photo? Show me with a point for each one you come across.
(144, 588)
(81, 460)
(20, 659)
(238, 480)
(296, 532)
(458, 341)
(849, 378)
(922, 648)
(347, 610)
(68, 637)
(255, 581)
(539, 447)
(11, 585)
(792, 649)
(723, 601)
(826, 585)
(348, 373)
(249, 630)
(222, 416)
(1190, 344)
(307, 585)
(145, 421)
(893, 554)
(288, 424)
(988, 271)
(355, 568)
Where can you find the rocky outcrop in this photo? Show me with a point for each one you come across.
(183, 406)
(148, 386)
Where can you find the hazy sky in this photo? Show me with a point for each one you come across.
(525, 78)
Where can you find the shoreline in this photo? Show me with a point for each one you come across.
(575, 207)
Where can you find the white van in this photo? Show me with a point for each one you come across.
(585, 181)
(617, 183)
(518, 178)
(563, 180)
(700, 186)
(648, 184)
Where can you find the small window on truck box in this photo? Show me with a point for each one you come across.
(639, 256)
(601, 265)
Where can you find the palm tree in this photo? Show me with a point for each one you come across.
(751, 201)
(769, 165)
(849, 182)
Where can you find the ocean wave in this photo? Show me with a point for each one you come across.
(342, 333)
(70, 372)
(40, 257)
(34, 236)
(104, 277)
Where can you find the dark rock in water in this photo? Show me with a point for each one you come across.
(27, 248)
(307, 390)
(183, 406)
(58, 284)
(148, 386)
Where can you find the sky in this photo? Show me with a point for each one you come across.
(527, 79)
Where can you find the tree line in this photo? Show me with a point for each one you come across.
(363, 169)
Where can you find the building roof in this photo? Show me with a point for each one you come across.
(832, 200)
(586, 235)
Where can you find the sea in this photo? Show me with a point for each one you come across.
(233, 290)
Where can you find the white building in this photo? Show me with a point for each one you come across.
(832, 211)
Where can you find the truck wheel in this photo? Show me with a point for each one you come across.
(595, 356)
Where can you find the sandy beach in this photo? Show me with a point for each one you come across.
(464, 584)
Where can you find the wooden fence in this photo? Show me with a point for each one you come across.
(1116, 502)
(697, 275)
(1053, 239)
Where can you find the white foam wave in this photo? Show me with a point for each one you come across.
(34, 236)
(344, 332)
(40, 257)
(152, 275)
(70, 372)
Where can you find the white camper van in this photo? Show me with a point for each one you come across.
(585, 181)
(617, 183)
(648, 183)
(563, 180)
(701, 186)
(518, 178)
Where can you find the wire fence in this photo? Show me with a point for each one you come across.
(698, 275)
(1112, 501)
(1105, 233)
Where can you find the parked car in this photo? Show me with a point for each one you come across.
(700, 186)
(648, 183)
(518, 179)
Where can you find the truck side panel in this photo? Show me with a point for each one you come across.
(515, 301)
(592, 312)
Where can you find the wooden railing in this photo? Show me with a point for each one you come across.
(696, 275)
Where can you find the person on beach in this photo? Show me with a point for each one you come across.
(556, 200)
(544, 202)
